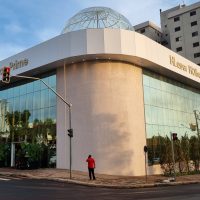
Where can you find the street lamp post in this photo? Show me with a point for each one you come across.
(69, 107)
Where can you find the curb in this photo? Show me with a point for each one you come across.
(147, 185)
(77, 182)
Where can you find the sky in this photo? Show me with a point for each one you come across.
(26, 23)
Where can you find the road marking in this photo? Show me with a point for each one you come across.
(148, 191)
(4, 179)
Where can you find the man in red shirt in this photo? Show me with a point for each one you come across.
(91, 166)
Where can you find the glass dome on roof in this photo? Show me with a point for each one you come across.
(97, 17)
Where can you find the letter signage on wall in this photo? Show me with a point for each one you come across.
(17, 64)
(187, 68)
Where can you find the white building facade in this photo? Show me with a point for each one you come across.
(124, 89)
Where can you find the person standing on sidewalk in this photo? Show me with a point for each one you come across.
(91, 166)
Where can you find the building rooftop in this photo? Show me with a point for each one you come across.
(97, 17)
(147, 24)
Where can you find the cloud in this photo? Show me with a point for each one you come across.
(8, 49)
(13, 28)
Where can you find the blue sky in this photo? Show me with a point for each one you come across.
(25, 23)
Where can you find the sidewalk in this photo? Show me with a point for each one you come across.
(102, 180)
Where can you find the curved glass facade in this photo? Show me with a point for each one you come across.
(28, 116)
(169, 108)
(97, 17)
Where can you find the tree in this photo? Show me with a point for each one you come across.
(185, 146)
(166, 156)
(194, 151)
(18, 124)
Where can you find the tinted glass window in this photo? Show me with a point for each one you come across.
(194, 23)
(193, 13)
(196, 44)
(176, 19)
(195, 34)
(178, 49)
(177, 29)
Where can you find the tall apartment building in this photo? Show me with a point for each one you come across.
(181, 29)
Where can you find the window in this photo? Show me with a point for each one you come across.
(194, 33)
(196, 44)
(179, 49)
(176, 19)
(194, 23)
(177, 29)
(193, 13)
(177, 39)
(165, 25)
(196, 55)
(164, 106)
(142, 30)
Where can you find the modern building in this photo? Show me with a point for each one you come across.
(125, 89)
(150, 30)
(180, 27)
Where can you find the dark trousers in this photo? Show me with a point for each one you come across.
(91, 173)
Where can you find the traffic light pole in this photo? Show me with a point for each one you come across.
(172, 143)
(70, 111)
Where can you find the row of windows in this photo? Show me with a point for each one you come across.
(163, 130)
(167, 111)
(192, 13)
(194, 34)
(195, 44)
(163, 84)
(35, 100)
(178, 28)
(28, 88)
(33, 97)
(168, 100)
(196, 55)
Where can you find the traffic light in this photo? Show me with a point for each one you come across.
(70, 132)
(174, 136)
(6, 75)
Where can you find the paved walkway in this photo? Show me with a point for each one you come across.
(101, 179)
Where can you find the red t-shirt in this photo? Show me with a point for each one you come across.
(91, 162)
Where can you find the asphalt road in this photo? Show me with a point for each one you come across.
(26, 189)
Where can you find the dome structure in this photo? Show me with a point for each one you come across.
(97, 17)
